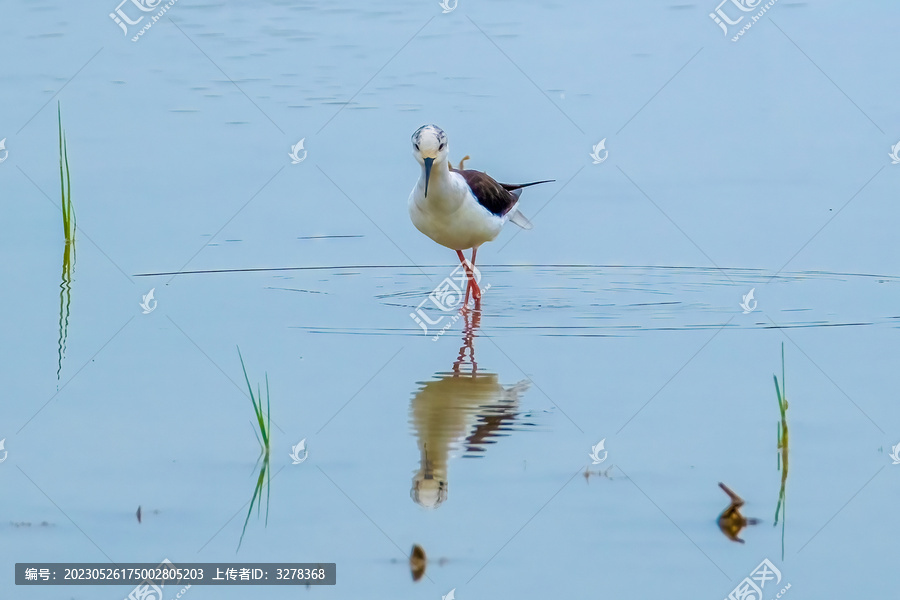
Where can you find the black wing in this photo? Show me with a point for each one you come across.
(497, 197)
(490, 194)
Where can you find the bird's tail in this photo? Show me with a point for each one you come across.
(517, 218)
(518, 186)
(515, 189)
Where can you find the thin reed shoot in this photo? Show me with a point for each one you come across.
(65, 183)
(263, 436)
(781, 395)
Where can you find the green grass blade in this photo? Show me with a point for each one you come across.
(268, 489)
(264, 423)
(250, 511)
(260, 418)
(62, 181)
(259, 486)
(256, 400)
(70, 213)
(783, 380)
(65, 182)
(249, 385)
(778, 394)
(268, 412)
(247, 379)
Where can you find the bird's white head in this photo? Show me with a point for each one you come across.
(429, 148)
(428, 492)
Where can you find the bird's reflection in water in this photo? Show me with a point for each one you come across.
(459, 412)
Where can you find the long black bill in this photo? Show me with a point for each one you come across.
(428, 163)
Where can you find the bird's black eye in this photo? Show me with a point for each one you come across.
(441, 147)
(416, 145)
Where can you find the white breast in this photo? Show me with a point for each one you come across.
(451, 215)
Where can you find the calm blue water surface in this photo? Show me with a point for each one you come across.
(760, 164)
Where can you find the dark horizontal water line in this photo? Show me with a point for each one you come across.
(513, 266)
(571, 330)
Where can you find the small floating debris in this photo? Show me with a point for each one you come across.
(731, 521)
(417, 562)
(601, 473)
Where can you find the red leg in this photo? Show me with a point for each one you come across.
(476, 291)
(472, 286)
(462, 261)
